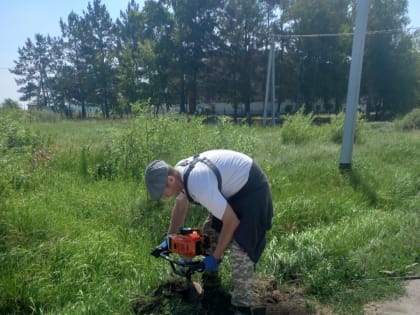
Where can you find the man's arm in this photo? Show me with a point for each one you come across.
(179, 212)
(230, 223)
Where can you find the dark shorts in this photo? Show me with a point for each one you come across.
(254, 208)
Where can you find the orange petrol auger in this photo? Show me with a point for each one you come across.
(183, 254)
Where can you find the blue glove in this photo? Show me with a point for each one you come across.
(163, 245)
(210, 263)
(161, 248)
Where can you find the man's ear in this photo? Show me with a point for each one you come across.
(171, 179)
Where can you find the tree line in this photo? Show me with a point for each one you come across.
(185, 51)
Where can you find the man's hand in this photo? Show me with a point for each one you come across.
(210, 263)
(161, 248)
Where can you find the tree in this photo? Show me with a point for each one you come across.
(129, 31)
(100, 46)
(242, 33)
(390, 67)
(9, 104)
(195, 23)
(321, 60)
(78, 69)
(36, 66)
(89, 43)
(183, 51)
(160, 63)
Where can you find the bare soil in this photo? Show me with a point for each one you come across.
(178, 298)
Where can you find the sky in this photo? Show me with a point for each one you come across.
(22, 19)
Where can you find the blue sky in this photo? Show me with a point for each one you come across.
(22, 19)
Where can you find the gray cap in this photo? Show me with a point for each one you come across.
(156, 178)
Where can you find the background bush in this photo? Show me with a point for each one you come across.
(410, 121)
(336, 128)
(18, 148)
(171, 138)
(298, 129)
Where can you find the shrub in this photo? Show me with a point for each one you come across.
(410, 121)
(297, 129)
(17, 145)
(336, 128)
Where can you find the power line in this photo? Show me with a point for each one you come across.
(389, 31)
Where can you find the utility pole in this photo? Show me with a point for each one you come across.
(270, 77)
(353, 89)
(273, 85)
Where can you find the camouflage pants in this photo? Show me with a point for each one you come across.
(242, 268)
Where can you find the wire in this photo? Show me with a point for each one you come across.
(390, 31)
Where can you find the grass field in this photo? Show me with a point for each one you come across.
(76, 226)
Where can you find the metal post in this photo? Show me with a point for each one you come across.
(267, 87)
(273, 89)
(353, 88)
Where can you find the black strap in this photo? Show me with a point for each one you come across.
(191, 165)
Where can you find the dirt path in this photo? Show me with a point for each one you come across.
(409, 304)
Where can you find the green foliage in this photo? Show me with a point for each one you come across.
(45, 115)
(15, 114)
(336, 128)
(141, 107)
(410, 121)
(9, 104)
(169, 137)
(18, 143)
(297, 129)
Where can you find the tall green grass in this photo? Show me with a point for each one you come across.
(76, 233)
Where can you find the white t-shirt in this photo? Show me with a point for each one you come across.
(234, 169)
